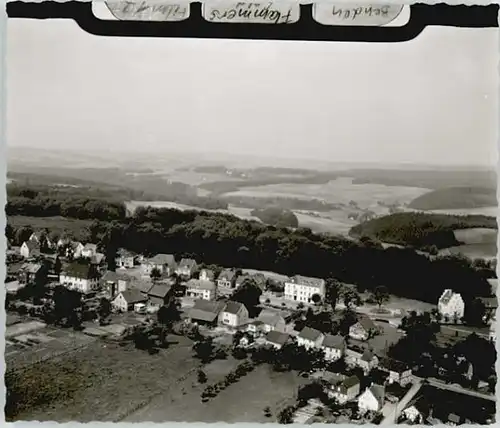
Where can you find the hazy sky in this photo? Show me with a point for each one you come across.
(431, 100)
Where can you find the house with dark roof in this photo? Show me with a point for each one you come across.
(207, 275)
(80, 276)
(125, 300)
(205, 312)
(74, 249)
(186, 268)
(372, 399)
(344, 390)
(200, 289)
(366, 360)
(226, 279)
(42, 239)
(126, 259)
(29, 273)
(399, 372)
(164, 263)
(98, 259)
(277, 339)
(234, 315)
(30, 249)
(159, 293)
(271, 321)
(114, 283)
(333, 346)
(310, 338)
(417, 411)
(363, 328)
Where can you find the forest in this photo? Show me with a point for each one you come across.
(276, 217)
(420, 230)
(456, 198)
(225, 240)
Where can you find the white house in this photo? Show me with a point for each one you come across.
(302, 289)
(200, 289)
(372, 399)
(362, 328)
(234, 315)
(366, 361)
(81, 277)
(451, 305)
(114, 283)
(29, 249)
(333, 347)
(126, 300)
(310, 338)
(346, 390)
(271, 321)
(125, 259)
(226, 279)
(186, 267)
(89, 250)
(207, 275)
(164, 263)
(76, 249)
(399, 372)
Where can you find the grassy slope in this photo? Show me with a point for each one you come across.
(455, 198)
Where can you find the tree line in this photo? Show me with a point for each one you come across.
(421, 230)
(225, 240)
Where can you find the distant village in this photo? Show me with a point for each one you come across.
(361, 379)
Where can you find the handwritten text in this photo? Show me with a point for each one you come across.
(252, 12)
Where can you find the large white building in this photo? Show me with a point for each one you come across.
(80, 277)
(302, 288)
(451, 305)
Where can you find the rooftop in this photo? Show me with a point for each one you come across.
(277, 337)
(205, 310)
(331, 341)
(227, 274)
(310, 333)
(307, 281)
(187, 263)
(159, 290)
(32, 245)
(80, 270)
(366, 322)
(163, 259)
(233, 307)
(133, 296)
(200, 284)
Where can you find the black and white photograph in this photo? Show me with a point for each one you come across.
(266, 231)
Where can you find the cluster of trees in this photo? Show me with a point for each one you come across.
(421, 350)
(276, 217)
(50, 202)
(420, 230)
(232, 377)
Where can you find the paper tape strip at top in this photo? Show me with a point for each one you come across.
(265, 12)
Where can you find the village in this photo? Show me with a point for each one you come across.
(335, 339)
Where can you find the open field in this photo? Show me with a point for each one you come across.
(341, 190)
(240, 212)
(243, 401)
(56, 224)
(109, 381)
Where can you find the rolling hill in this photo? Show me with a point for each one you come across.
(455, 198)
